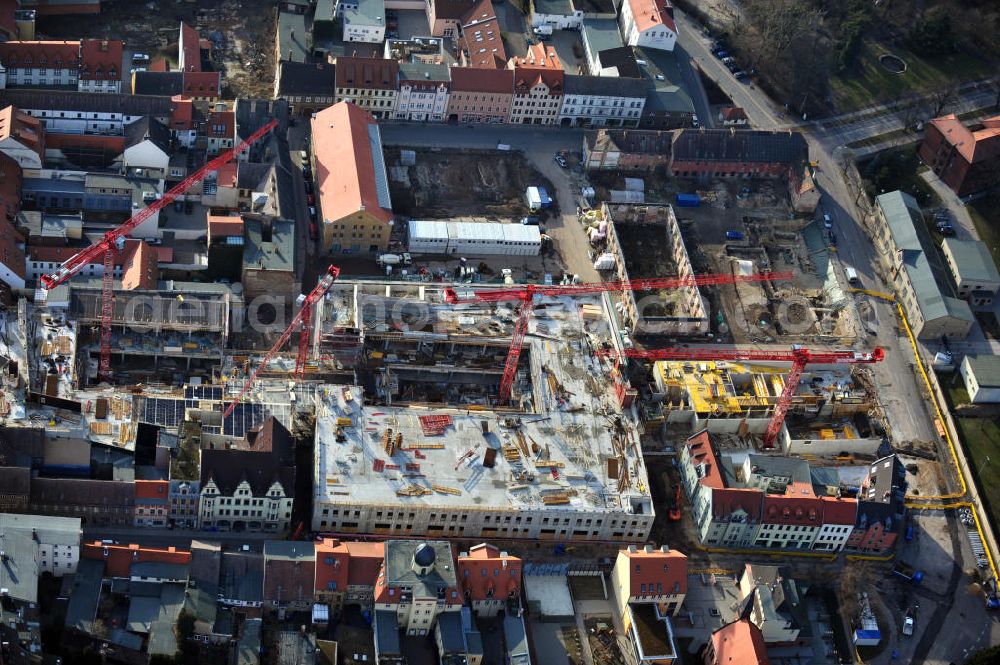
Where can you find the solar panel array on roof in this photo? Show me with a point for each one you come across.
(243, 418)
(162, 411)
(378, 162)
(194, 394)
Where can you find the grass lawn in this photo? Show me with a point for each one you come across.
(981, 439)
(897, 168)
(986, 217)
(869, 83)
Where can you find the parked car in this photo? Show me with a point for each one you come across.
(304, 156)
(733, 67)
(561, 161)
(531, 220)
(741, 75)
(309, 187)
(311, 199)
(314, 231)
(827, 222)
(734, 235)
(312, 213)
(178, 205)
(721, 54)
(188, 207)
(728, 60)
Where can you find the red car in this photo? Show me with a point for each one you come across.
(314, 231)
(311, 199)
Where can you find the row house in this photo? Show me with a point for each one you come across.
(590, 101)
(152, 504)
(306, 87)
(648, 587)
(119, 558)
(480, 95)
(89, 65)
(417, 583)
(881, 509)
(346, 572)
(761, 501)
(56, 540)
(370, 83)
(182, 498)
(721, 153)
(489, 579)
(423, 92)
(538, 87)
(249, 484)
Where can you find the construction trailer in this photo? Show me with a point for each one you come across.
(461, 238)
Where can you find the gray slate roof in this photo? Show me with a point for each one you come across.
(299, 78)
(973, 260)
(604, 86)
(905, 222)
(987, 370)
(730, 145)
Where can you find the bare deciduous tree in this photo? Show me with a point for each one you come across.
(943, 98)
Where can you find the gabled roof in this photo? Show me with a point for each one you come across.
(481, 37)
(484, 572)
(299, 78)
(731, 145)
(101, 59)
(604, 86)
(221, 124)
(220, 226)
(631, 141)
(422, 71)
(980, 146)
(739, 643)
(118, 559)
(659, 572)
(161, 84)
(28, 99)
(350, 167)
(839, 511)
(201, 84)
(652, 13)
(795, 510)
(148, 129)
(47, 54)
(189, 49)
(265, 457)
(366, 561)
(367, 73)
(476, 79)
(151, 489)
(11, 256)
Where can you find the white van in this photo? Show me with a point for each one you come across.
(852, 275)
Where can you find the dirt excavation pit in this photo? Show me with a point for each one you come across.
(483, 184)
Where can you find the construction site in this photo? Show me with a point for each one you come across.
(484, 184)
(426, 427)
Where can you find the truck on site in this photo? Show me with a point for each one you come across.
(909, 621)
(908, 572)
(543, 30)
(394, 259)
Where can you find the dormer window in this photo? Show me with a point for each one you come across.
(43, 60)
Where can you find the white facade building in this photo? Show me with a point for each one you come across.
(590, 101)
(981, 375)
(474, 238)
(364, 22)
(423, 92)
(648, 23)
(58, 540)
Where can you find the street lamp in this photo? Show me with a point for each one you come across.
(983, 466)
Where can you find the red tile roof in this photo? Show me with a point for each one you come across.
(27, 130)
(140, 269)
(151, 489)
(10, 255)
(201, 84)
(101, 59)
(221, 124)
(739, 643)
(40, 253)
(649, 569)
(481, 38)
(118, 559)
(220, 226)
(367, 73)
(227, 174)
(366, 561)
(10, 190)
(727, 500)
(839, 511)
(734, 113)
(652, 13)
(332, 564)
(471, 79)
(484, 574)
(539, 56)
(51, 54)
(189, 48)
(979, 146)
(181, 112)
(700, 448)
(159, 65)
(800, 511)
(345, 168)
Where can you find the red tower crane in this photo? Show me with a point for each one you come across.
(798, 357)
(114, 240)
(526, 293)
(303, 316)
